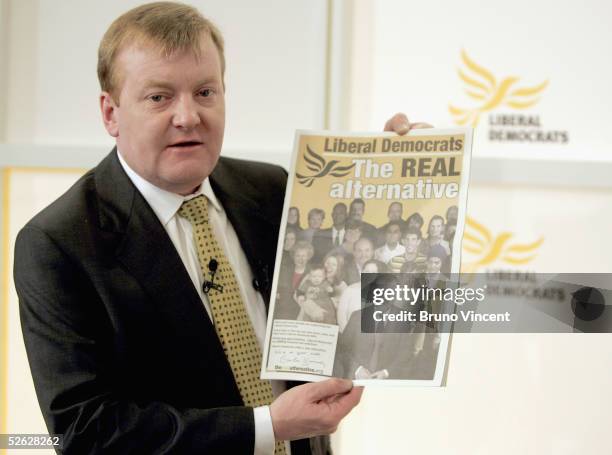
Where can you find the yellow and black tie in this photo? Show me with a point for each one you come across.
(230, 317)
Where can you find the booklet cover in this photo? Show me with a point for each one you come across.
(372, 203)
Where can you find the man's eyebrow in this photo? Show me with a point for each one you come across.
(151, 83)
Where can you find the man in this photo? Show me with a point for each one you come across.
(356, 212)
(315, 220)
(392, 246)
(363, 251)
(435, 259)
(369, 348)
(122, 330)
(351, 235)
(394, 213)
(412, 260)
(326, 240)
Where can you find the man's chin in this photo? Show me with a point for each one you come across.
(184, 183)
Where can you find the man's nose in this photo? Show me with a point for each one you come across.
(186, 114)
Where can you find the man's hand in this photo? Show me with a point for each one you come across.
(313, 409)
(399, 124)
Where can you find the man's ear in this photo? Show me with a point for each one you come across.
(109, 108)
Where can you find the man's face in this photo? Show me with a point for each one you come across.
(435, 228)
(339, 214)
(357, 211)
(411, 243)
(434, 264)
(363, 251)
(170, 118)
(395, 212)
(315, 220)
(393, 235)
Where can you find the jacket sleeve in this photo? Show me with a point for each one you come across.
(65, 332)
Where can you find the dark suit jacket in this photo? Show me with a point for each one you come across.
(124, 356)
(322, 242)
(375, 346)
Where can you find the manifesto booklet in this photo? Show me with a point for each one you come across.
(358, 207)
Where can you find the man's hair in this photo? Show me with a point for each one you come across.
(169, 26)
(380, 266)
(357, 201)
(365, 239)
(393, 223)
(395, 203)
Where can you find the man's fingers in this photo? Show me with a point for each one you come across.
(353, 397)
(400, 124)
(313, 409)
(355, 392)
(329, 387)
(419, 125)
(343, 404)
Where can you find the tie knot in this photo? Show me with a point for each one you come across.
(195, 210)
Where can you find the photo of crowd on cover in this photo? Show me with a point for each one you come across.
(319, 281)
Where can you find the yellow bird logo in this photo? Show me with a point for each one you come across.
(483, 87)
(317, 164)
(478, 241)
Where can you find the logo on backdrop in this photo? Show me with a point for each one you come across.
(506, 103)
(486, 248)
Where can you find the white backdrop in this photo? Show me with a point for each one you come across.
(506, 394)
(30, 190)
(408, 54)
(273, 47)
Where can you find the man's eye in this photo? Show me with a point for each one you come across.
(156, 98)
(206, 92)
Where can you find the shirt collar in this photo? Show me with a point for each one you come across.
(164, 203)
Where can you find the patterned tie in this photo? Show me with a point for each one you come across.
(230, 317)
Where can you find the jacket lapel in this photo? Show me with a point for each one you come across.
(147, 253)
(256, 233)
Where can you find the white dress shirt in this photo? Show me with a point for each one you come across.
(339, 234)
(350, 301)
(166, 205)
(385, 254)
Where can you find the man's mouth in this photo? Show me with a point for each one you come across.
(185, 144)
